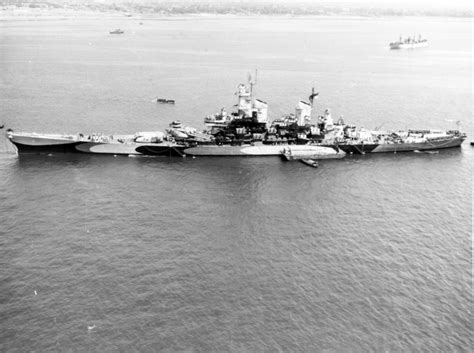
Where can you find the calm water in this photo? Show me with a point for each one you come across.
(370, 253)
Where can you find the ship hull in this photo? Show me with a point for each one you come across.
(358, 148)
(408, 45)
(161, 150)
(421, 146)
(315, 152)
(108, 148)
(47, 148)
(401, 147)
(45, 144)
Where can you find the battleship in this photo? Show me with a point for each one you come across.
(248, 132)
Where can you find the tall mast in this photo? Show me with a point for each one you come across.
(254, 83)
(251, 84)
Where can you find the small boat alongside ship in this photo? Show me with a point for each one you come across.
(409, 43)
(247, 132)
(310, 162)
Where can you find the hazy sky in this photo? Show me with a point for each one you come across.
(395, 4)
(409, 4)
(427, 4)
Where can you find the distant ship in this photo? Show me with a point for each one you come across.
(409, 43)
(164, 100)
(117, 31)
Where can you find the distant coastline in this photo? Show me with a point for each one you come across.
(37, 9)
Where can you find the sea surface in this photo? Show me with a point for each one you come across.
(104, 253)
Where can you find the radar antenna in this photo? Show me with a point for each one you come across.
(312, 96)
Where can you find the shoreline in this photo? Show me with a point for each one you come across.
(41, 14)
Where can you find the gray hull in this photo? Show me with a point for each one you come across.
(423, 146)
(49, 143)
(309, 151)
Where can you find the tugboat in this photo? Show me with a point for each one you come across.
(117, 31)
(409, 43)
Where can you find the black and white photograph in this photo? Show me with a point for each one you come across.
(236, 175)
